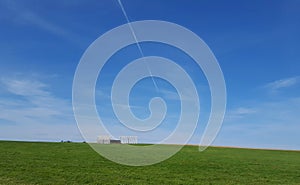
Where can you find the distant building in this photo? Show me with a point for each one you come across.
(115, 141)
(122, 140)
(103, 140)
(129, 139)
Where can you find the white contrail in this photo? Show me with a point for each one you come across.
(136, 41)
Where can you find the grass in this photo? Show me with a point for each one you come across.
(77, 163)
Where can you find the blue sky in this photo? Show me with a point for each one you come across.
(256, 44)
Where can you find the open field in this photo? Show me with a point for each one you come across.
(77, 163)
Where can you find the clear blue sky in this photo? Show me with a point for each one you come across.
(256, 44)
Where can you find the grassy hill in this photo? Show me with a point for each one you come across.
(77, 163)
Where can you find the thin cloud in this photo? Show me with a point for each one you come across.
(22, 15)
(24, 87)
(274, 122)
(187, 95)
(282, 83)
(29, 99)
(239, 113)
(170, 95)
(30, 111)
(42, 23)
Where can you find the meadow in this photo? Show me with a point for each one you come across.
(77, 163)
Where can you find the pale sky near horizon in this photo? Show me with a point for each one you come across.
(256, 44)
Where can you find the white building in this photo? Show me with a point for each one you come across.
(123, 140)
(103, 139)
(129, 139)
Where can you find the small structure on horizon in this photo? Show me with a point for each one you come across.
(129, 139)
(122, 140)
(115, 141)
(103, 139)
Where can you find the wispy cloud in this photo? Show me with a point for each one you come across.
(25, 87)
(240, 112)
(29, 111)
(276, 123)
(46, 25)
(23, 15)
(169, 94)
(186, 95)
(282, 83)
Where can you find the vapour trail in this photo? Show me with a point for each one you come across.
(136, 41)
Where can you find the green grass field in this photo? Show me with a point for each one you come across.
(77, 163)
